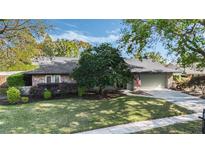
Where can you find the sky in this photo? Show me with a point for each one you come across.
(93, 31)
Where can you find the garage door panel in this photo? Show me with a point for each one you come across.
(153, 81)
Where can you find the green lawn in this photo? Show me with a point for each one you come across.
(193, 127)
(74, 115)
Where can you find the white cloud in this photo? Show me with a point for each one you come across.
(75, 35)
(114, 31)
(71, 25)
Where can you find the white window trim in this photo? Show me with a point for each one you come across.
(52, 78)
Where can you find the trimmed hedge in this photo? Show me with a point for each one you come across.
(16, 80)
(57, 89)
(25, 99)
(13, 95)
(47, 94)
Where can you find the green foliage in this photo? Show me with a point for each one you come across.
(101, 66)
(177, 78)
(63, 47)
(18, 45)
(19, 67)
(3, 91)
(183, 37)
(47, 94)
(16, 80)
(155, 56)
(81, 91)
(13, 95)
(25, 99)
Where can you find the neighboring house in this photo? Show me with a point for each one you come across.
(4, 75)
(55, 70)
(147, 74)
(193, 70)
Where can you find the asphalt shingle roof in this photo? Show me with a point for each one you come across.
(188, 70)
(148, 65)
(63, 65)
(57, 65)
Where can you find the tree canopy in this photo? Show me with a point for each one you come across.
(101, 66)
(183, 37)
(155, 56)
(18, 43)
(62, 47)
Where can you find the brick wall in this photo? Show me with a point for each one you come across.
(36, 79)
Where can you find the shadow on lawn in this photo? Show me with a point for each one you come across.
(74, 115)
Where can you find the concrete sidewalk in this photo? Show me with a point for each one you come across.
(144, 125)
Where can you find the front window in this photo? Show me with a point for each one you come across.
(52, 79)
(48, 79)
(57, 78)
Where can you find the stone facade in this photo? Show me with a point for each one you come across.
(36, 79)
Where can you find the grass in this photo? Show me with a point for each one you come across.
(75, 115)
(193, 127)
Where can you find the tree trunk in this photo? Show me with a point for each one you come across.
(100, 90)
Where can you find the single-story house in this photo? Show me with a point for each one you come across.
(147, 73)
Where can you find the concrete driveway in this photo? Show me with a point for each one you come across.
(190, 102)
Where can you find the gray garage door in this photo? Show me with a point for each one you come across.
(153, 81)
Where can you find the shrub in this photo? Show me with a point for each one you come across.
(57, 89)
(81, 91)
(13, 95)
(15, 80)
(36, 92)
(3, 91)
(47, 94)
(25, 99)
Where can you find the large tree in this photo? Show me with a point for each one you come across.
(18, 43)
(101, 66)
(182, 36)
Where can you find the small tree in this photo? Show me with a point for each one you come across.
(101, 66)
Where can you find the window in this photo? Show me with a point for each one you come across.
(57, 78)
(52, 79)
(48, 79)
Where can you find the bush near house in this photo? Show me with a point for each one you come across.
(81, 91)
(57, 89)
(47, 94)
(13, 95)
(3, 91)
(25, 99)
(16, 80)
(198, 82)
